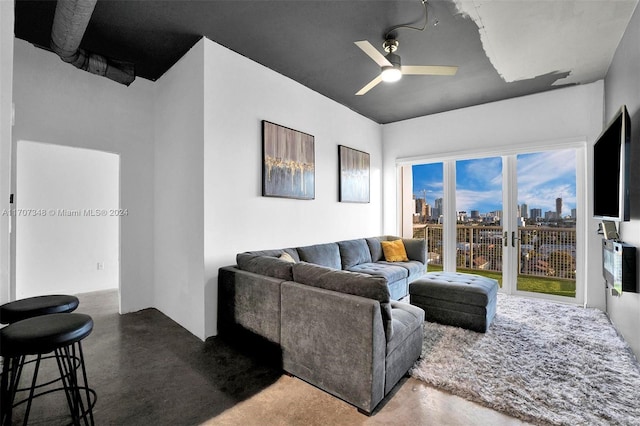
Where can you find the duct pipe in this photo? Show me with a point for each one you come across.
(69, 25)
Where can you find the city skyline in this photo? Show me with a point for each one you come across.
(542, 178)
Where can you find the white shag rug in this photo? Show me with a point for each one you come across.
(542, 362)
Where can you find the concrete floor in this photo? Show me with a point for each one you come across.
(147, 370)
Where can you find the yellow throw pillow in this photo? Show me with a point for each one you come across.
(394, 251)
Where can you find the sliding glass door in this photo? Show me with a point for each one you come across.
(510, 217)
(479, 211)
(544, 237)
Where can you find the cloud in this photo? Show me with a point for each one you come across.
(479, 173)
(428, 177)
(542, 177)
(484, 201)
(540, 169)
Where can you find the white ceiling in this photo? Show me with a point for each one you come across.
(526, 39)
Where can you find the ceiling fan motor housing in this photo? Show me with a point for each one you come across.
(393, 72)
(394, 60)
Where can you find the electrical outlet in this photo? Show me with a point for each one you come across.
(100, 266)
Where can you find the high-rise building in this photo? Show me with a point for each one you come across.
(536, 214)
(475, 214)
(437, 210)
(558, 208)
(524, 211)
(574, 213)
(419, 205)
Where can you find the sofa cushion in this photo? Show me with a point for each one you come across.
(394, 251)
(416, 249)
(321, 254)
(413, 267)
(354, 252)
(374, 248)
(265, 265)
(363, 285)
(406, 345)
(389, 271)
(406, 319)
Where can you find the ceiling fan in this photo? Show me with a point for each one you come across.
(391, 67)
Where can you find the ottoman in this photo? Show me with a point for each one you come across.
(451, 298)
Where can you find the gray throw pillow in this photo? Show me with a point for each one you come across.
(321, 254)
(354, 252)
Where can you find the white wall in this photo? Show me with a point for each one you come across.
(179, 183)
(622, 86)
(190, 149)
(6, 81)
(239, 94)
(59, 104)
(59, 247)
(551, 117)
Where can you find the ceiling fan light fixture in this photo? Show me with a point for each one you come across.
(394, 72)
(391, 74)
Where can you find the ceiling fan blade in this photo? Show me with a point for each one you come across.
(373, 53)
(429, 70)
(373, 83)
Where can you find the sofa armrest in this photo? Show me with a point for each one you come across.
(416, 249)
(249, 300)
(335, 341)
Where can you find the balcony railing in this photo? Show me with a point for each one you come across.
(547, 255)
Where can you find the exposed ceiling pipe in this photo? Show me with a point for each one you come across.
(69, 24)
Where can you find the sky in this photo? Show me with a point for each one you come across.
(542, 177)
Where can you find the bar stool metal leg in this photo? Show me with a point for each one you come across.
(88, 391)
(66, 365)
(33, 386)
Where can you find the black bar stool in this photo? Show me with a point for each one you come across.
(34, 306)
(58, 333)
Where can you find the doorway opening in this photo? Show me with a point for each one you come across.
(67, 221)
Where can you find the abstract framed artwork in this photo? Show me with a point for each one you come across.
(354, 175)
(288, 162)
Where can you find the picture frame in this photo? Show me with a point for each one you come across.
(288, 162)
(354, 172)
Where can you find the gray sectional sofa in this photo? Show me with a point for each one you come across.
(331, 310)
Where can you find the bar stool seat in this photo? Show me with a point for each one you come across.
(34, 306)
(60, 333)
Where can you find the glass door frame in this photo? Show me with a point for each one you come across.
(511, 246)
(510, 201)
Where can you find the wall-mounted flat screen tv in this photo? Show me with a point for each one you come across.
(611, 154)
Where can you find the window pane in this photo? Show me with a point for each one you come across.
(479, 216)
(547, 222)
(427, 218)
